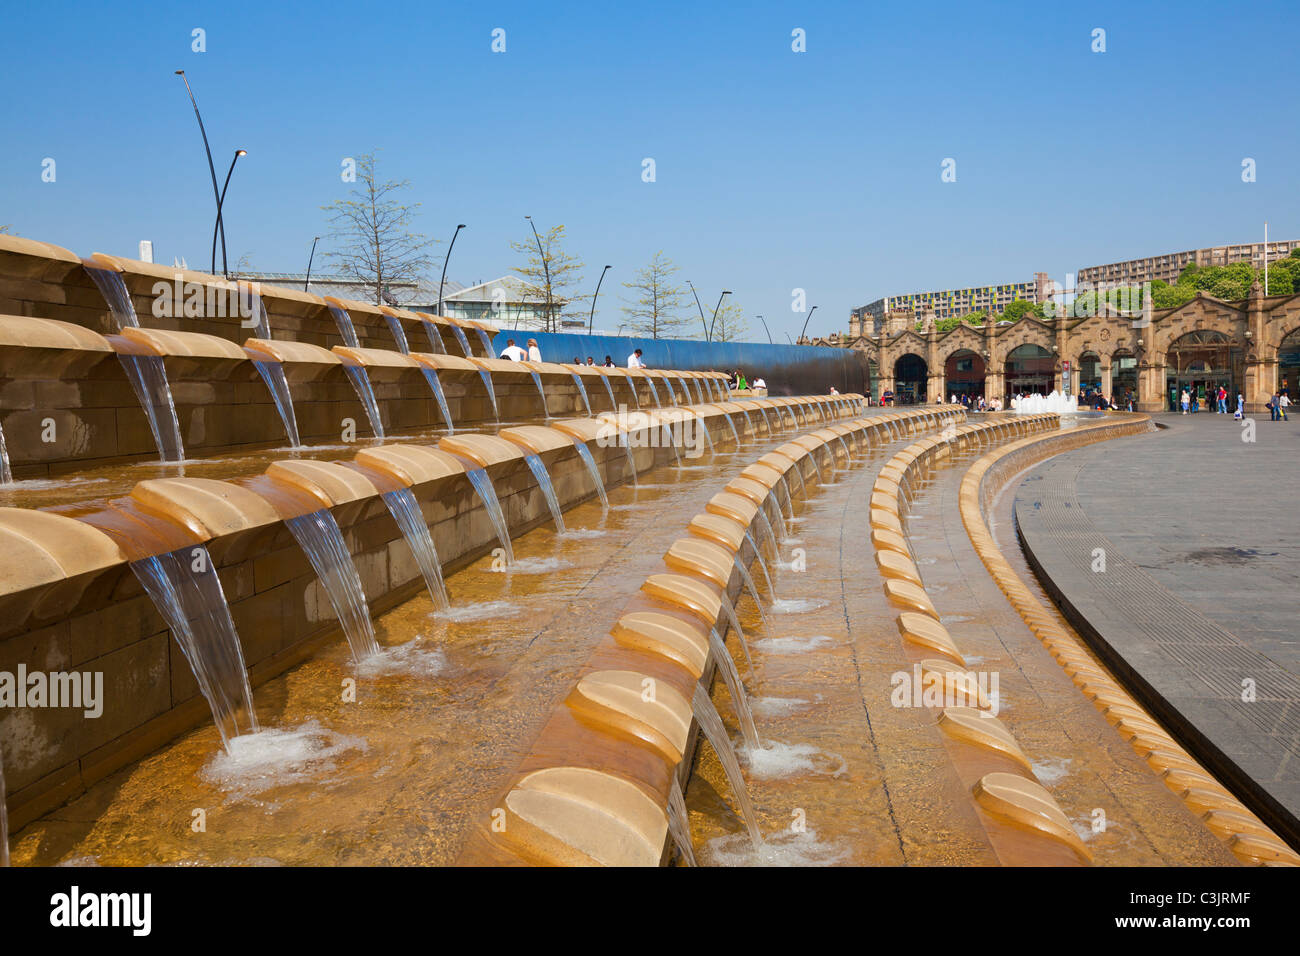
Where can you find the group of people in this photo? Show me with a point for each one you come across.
(976, 403)
(736, 381)
(514, 353)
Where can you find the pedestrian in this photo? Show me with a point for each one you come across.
(1283, 400)
(634, 360)
(513, 352)
(534, 353)
(609, 361)
(1223, 400)
(1241, 408)
(1186, 401)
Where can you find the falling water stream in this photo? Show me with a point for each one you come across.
(541, 393)
(406, 512)
(321, 540)
(399, 333)
(727, 664)
(613, 403)
(762, 564)
(732, 425)
(749, 583)
(457, 331)
(436, 345)
(360, 379)
(679, 822)
(492, 392)
(538, 468)
(631, 383)
(585, 454)
(716, 732)
(435, 384)
(185, 589)
(486, 341)
(273, 375)
(482, 483)
(582, 390)
(653, 391)
(6, 473)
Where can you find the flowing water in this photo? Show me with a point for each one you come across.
(406, 512)
(781, 531)
(492, 392)
(457, 331)
(749, 583)
(359, 376)
(729, 610)
(631, 383)
(185, 589)
(538, 468)
(347, 330)
(486, 341)
(482, 483)
(613, 403)
(716, 732)
(435, 384)
(653, 391)
(6, 473)
(399, 333)
(273, 375)
(727, 664)
(582, 390)
(541, 393)
(732, 425)
(435, 339)
(585, 454)
(762, 563)
(321, 540)
(679, 822)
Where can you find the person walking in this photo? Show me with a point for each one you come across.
(1283, 400)
(1241, 408)
(1223, 400)
(1185, 401)
(1274, 408)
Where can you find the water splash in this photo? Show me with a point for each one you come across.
(320, 538)
(716, 732)
(482, 483)
(406, 512)
(727, 664)
(273, 375)
(277, 757)
(185, 589)
(585, 454)
(543, 478)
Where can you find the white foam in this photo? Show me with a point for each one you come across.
(792, 645)
(775, 760)
(777, 706)
(786, 848)
(415, 658)
(531, 566)
(580, 534)
(274, 758)
(1052, 770)
(796, 605)
(480, 611)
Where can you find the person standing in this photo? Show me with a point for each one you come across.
(1274, 408)
(534, 353)
(1241, 408)
(513, 352)
(1185, 401)
(1283, 400)
(634, 360)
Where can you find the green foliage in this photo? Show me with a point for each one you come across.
(730, 324)
(656, 312)
(549, 274)
(1017, 310)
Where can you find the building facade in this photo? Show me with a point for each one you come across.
(946, 303)
(1169, 266)
(1250, 346)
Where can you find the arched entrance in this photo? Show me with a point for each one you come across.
(1124, 378)
(1200, 362)
(963, 375)
(910, 374)
(1030, 371)
(1089, 374)
(1288, 364)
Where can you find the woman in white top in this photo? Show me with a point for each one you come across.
(534, 353)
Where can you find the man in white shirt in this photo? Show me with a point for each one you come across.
(513, 352)
(634, 360)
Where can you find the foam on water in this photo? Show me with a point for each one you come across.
(796, 605)
(256, 763)
(479, 611)
(415, 658)
(531, 566)
(793, 645)
(786, 848)
(1051, 770)
(775, 760)
(581, 534)
(777, 706)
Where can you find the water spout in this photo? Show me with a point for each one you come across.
(613, 403)
(758, 601)
(320, 538)
(273, 375)
(464, 342)
(727, 664)
(406, 512)
(679, 823)
(360, 378)
(431, 376)
(582, 390)
(186, 590)
(482, 483)
(538, 468)
(716, 732)
(435, 339)
(399, 333)
(585, 454)
(541, 392)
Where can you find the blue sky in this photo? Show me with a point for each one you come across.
(775, 170)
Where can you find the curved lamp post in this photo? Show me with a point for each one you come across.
(446, 259)
(591, 319)
(806, 321)
(314, 240)
(704, 325)
(216, 196)
(713, 324)
(766, 329)
(546, 268)
(220, 224)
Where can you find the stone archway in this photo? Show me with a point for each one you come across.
(1288, 363)
(911, 374)
(1200, 361)
(1030, 369)
(1124, 378)
(963, 374)
(1088, 374)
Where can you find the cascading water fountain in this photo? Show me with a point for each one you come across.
(538, 468)
(753, 590)
(731, 676)
(147, 373)
(343, 322)
(734, 622)
(360, 380)
(762, 563)
(187, 592)
(585, 454)
(436, 345)
(485, 340)
(779, 519)
(405, 510)
(631, 383)
(399, 333)
(609, 389)
(732, 425)
(320, 538)
(482, 482)
(679, 823)
(273, 375)
(1038, 404)
(435, 385)
(716, 732)
(486, 376)
(541, 393)
(457, 331)
(654, 392)
(582, 390)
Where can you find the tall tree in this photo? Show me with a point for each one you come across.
(731, 323)
(550, 275)
(657, 310)
(377, 244)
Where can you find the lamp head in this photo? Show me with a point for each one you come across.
(241, 152)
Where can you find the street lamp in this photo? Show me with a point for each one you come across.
(713, 324)
(767, 330)
(704, 325)
(216, 196)
(546, 267)
(220, 224)
(459, 227)
(314, 240)
(806, 321)
(592, 318)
